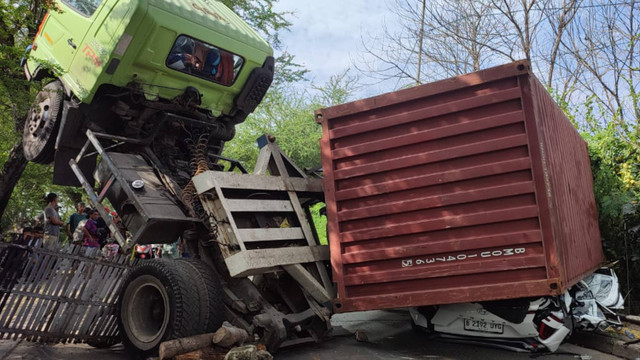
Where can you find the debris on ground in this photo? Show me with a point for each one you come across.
(361, 336)
(202, 354)
(214, 346)
(172, 348)
(229, 335)
(248, 352)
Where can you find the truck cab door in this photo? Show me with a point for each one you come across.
(66, 28)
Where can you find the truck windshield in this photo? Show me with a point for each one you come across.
(84, 7)
(203, 60)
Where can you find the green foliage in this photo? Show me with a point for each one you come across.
(616, 184)
(320, 222)
(290, 119)
(261, 16)
(27, 200)
(615, 179)
(287, 71)
(289, 116)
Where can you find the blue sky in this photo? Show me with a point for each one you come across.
(326, 35)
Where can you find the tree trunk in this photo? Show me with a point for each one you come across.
(11, 172)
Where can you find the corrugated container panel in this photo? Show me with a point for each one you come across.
(570, 177)
(468, 189)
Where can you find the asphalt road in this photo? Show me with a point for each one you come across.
(389, 337)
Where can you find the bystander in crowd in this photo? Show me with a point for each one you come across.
(90, 229)
(52, 222)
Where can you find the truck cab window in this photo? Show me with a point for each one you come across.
(84, 7)
(203, 60)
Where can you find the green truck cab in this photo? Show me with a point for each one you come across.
(162, 71)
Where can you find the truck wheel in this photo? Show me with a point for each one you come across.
(42, 124)
(158, 303)
(210, 290)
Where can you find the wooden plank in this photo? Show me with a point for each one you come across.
(82, 311)
(92, 314)
(30, 301)
(270, 234)
(311, 240)
(226, 236)
(308, 282)
(71, 284)
(61, 299)
(253, 262)
(40, 313)
(33, 303)
(71, 292)
(259, 205)
(224, 214)
(262, 164)
(56, 282)
(103, 317)
(16, 302)
(210, 179)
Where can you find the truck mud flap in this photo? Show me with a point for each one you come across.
(62, 172)
(68, 144)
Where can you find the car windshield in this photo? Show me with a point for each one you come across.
(203, 60)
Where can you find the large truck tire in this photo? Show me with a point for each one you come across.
(159, 302)
(42, 124)
(210, 290)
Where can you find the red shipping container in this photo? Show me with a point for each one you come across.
(468, 189)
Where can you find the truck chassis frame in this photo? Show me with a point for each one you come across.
(287, 300)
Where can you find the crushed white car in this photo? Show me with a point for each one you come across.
(528, 325)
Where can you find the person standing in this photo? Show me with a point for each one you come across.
(91, 230)
(75, 219)
(52, 222)
(78, 233)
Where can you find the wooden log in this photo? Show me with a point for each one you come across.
(171, 348)
(228, 336)
(631, 319)
(202, 354)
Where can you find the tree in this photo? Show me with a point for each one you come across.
(17, 27)
(603, 43)
(462, 36)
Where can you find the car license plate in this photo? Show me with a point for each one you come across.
(483, 326)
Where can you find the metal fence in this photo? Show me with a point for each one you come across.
(61, 295)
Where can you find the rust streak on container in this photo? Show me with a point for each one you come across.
(467, 189)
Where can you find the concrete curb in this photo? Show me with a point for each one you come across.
(606, 344)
